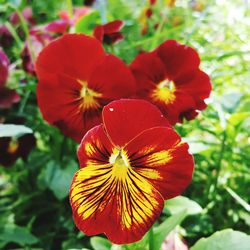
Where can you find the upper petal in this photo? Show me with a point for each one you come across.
(113, 26)
(150, 65)
(75, 55)
(113, 79)
(179, 60)
(124, 119)
(159, 155)
(95, 148)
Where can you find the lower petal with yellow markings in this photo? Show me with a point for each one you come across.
(123, 206)
(159, 155)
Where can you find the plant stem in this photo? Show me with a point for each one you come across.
(219, 163)
(151, 239)
(70, 8)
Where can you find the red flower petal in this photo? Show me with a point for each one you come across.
(113, 26)
(150, 65)
(4, 68)
(73, 54)
(58, 26)
(198, 86)
(125, 119)
(99, 32)
(113, 79)
(159, 155)
(179, 60)
(109, 33)
(95, 147)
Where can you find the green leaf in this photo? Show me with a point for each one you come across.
(11, 130)
(162, 231)
(58, 179)
(237, 118)
(226, 239)
(13, 233)
(87, 23)
(99, 243)
(179, 203)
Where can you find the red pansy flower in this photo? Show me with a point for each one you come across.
(170, 78)
(76, 79)
(129, 165)
(109, 33)
(7, 96)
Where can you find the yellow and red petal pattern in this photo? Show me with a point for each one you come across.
(159, 155)
(122, 208)
(108, 196)
(124, 119)
(95, 148)
(121, 187)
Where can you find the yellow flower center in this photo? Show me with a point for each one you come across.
(164, 92)
(120, 162)
(88, 97)
(13, 146)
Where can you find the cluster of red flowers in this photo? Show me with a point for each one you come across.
(131, 159)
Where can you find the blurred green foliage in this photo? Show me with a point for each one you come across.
(34, 207)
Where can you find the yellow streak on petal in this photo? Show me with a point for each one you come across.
(89, 149)
(158, 158)
(164, 92)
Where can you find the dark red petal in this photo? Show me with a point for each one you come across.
(58, 26)
(124, 119)
(8, 97)
(113, 26)
(159, 155)
(4, 68)
(113, 79)
(179, 60)
(99, 33)
(95, 148)
(113, 38)
(75, 55)
(199, 86)
(150, 65)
